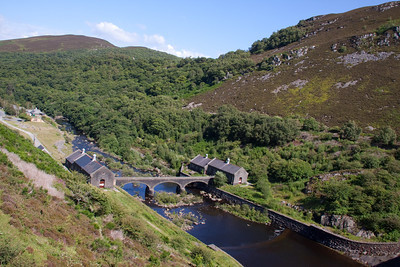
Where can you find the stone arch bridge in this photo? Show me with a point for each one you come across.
(152, 182)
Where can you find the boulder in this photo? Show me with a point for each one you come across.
(365, 234)
(342, 222)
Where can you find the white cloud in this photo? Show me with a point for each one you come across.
(112, 31)
(12, 30)
(120, 37)
(158, 39)
(181, 53)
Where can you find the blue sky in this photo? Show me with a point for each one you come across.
(184, 28)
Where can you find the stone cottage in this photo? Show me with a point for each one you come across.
(99, 175)
(199, 164)
(204, 165)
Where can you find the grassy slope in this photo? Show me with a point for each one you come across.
(90, 225)
(373, 100)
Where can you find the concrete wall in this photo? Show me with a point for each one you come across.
(356, 249)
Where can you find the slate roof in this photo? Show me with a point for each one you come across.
(92, 167)
(222, 165)
(74, 156)
(83, 161)
(200, 161)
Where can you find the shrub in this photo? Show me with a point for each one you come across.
(350, 131)
(342, 49)
(385, 136)
(167, 198)
(24, 116)
(201, 255)
(370, 161)
(326, 137)
(264, 187)
(310, 124)
(291, 170)
(220, 179)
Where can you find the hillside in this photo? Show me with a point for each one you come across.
(132, 107)
(53, 43)
(51, 217)
(78, 45)
(343, 67)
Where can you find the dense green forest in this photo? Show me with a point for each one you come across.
(133, 108)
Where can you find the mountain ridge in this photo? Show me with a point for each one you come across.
(51, 43)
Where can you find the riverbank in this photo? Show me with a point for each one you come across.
(369, 253)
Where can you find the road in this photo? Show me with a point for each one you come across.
(36, 142)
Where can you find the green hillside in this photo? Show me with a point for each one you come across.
(81, 224)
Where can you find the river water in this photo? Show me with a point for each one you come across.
(252, 244)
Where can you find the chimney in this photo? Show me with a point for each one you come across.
(228, 160)
(206, 156)
(83, 151)
(94, 157)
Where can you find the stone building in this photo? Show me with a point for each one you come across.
(204, 165)
(99, 175)
(199, 164)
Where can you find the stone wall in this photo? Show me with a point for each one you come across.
(233, 199)
(355, 249)
(332, 240)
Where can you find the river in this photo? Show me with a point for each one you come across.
(252, 244)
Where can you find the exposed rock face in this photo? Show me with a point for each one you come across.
(365, 234)
(362, 57)
(344, 222)
(386, 6)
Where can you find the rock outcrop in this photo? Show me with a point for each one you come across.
(346, 223)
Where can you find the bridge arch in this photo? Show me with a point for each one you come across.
(123, 183)
(137, 188)
(179, 187)
(195, 181)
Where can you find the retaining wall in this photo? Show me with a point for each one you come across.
(315, 233)
(233, 199)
